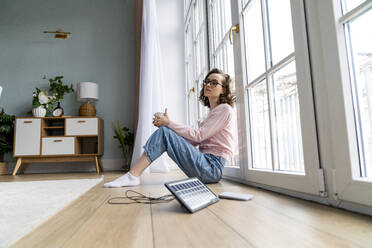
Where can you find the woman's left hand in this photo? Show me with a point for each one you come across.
(161, 120)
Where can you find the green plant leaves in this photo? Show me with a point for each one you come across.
(124, 136)
(6, 133)
(58, 88)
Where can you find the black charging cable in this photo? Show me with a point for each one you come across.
(139, 198)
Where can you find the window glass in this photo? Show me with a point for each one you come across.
(253, 39)
(288, 125)
(360, 62)
(260, 126)
(280, 27)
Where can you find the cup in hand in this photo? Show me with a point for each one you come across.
(159, 114)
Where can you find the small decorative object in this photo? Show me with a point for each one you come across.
(6, 140)
(39, 111)
(58, 111)
(59, 34)
(126, 141)
(87, 92)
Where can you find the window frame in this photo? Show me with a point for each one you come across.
(346, 183)
(313, 181)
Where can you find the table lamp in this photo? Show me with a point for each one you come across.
(87, 92)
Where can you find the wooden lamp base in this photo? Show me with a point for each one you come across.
(87, 109)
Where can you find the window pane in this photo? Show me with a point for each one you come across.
(360, 46)
(281, 33)
(288, 123)
(227, 12)
(253, 40)
(348, 5)
(260, 126)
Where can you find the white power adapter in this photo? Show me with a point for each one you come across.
(235, 196)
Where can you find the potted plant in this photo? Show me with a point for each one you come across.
(44, 101)
(6, 140)
(58, 89)
(126, 141)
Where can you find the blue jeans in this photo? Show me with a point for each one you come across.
(207, 167)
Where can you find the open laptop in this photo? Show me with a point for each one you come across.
(192, 193)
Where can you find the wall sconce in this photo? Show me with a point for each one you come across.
(59, 34)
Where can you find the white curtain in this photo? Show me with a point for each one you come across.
(151, 89)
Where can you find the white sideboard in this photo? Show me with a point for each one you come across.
(58, 139)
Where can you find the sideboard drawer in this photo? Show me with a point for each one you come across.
(27, 136)
(58, 146)
(81, 126)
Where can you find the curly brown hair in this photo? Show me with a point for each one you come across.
(226, 97)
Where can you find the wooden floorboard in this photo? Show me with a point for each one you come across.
(268, 220)
(116, 226)
(351, 227)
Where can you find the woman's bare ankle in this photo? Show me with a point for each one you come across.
(135, 173)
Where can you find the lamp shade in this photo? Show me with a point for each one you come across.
(87, 91)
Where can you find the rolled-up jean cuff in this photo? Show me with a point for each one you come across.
(148, 155)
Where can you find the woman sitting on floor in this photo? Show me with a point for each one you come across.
(215, 137)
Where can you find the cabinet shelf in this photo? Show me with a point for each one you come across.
(50, 132)
(56, 127)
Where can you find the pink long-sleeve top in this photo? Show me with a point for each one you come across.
(216, 134)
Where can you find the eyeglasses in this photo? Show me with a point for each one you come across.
(212, 83)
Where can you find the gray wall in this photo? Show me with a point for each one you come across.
(101, 49)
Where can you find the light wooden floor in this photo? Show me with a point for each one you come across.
(269, 220)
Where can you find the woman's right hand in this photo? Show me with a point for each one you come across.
(161, 120)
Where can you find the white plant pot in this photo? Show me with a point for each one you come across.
(39, 111)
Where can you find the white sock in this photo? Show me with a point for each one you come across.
(125, 180)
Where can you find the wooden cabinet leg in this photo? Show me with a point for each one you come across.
(18, 164)
(97, 167)
(100, 164)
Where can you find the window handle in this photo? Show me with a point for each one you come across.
(233, 28)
